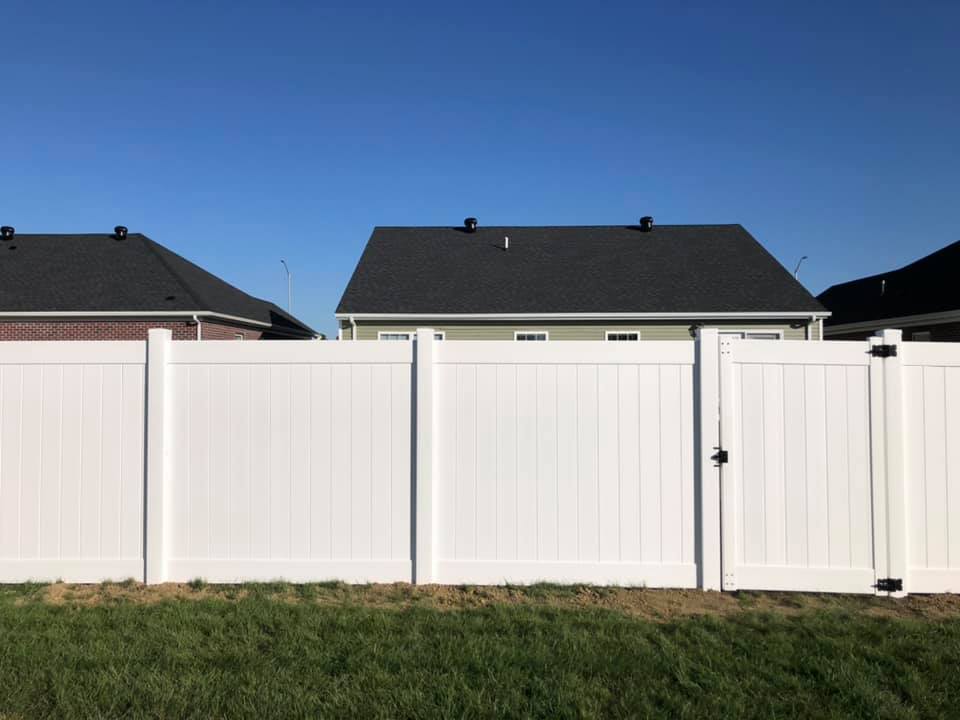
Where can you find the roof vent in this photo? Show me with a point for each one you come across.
(6, 232)
(121, 232)
(470, 224)
(646, 223)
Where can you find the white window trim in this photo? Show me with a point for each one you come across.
(437, 334)
(239, 336)
(620, 332)
(743, 333)
(517, 333)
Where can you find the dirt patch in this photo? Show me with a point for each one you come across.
(656, 605)
(131, 592)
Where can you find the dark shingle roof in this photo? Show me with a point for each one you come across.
(928, 285)
(596, 269)
(99, 273)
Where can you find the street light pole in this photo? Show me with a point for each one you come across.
(796, 270)
(289, 286)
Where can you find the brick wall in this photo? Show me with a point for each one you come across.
(216, 331)
(117, 330)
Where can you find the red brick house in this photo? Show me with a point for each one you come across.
(117, 286)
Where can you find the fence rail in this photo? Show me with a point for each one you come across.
(484, 462)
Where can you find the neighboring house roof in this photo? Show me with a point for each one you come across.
(576, 270)
(928, 285)
(99, 273)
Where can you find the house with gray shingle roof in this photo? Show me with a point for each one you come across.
(115, 286)
(610, 282)
(922, 299)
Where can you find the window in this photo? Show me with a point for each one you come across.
(623, 335)
(921, 336)
(438, 335)
(531, 335)
(755, 334)
(238, 336)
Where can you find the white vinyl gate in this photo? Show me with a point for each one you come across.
(798, 491)
(843, 465)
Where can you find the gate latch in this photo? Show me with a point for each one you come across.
(889, 584)
(721, 456)
(883, 351)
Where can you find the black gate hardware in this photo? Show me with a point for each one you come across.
(721, 457)
(889, 585)
(883, 351)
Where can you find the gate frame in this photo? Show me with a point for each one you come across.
(887, 469)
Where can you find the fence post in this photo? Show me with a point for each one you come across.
(729, 404)
(894, 442)
(424, 516)
(707, 431)
(155, 494)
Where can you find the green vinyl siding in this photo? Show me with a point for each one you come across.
(570, 330)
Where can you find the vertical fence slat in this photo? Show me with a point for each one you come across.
(706, 444)
(238, 428)
(321, 461)
(486, 462)
(31, 449)
(629, 463)
(50, 472)
(158, 472)
(425, 518)
(728, 486)
(548, 536)
(671, 465)
(507, 462)
(897, 496)
(608, 461)
(567, 448)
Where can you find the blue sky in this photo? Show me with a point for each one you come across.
(241, 133)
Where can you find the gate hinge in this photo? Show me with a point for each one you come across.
(883, 351)
(721, 456)
(889, 584)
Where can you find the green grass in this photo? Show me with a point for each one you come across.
(262, 656)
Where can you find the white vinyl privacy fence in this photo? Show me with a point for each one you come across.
(565, 466)
(721, 464)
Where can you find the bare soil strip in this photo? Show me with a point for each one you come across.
(655, 605)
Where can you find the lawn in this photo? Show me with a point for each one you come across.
(396, 651)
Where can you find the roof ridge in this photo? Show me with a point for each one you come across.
(554, 227)
(902, 268)
(149, 244)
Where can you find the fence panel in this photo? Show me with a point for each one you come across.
(291, 460)
(566, 462)
(798, 490)
(71, 460)
(931, 392)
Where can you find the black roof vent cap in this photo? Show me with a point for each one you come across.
(646, 223)
(470, 224)
(7, 232)
(121, 232)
